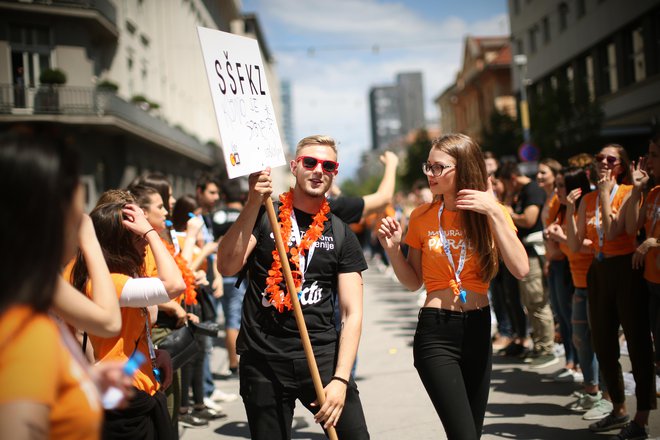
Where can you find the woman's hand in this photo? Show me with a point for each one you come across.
(389, 233)
(109, 374)
(640, 253)
(639, 175)
(193, 226)
(606, 183)
(200, 278)
(193, 318)
(555, 232)
(135, 220)
(572, 197)
(482, 202)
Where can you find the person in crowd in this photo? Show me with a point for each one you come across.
(528, 200)
(124, 232)
(647, 253)
(454, 245)
(617, 295)
(557, 269)
(47, 388)
(161, 184)
(325, 258)
(572, 185)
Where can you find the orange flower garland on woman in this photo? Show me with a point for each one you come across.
(189, 295)
(276, 296)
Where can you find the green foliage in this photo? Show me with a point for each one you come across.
(107, 86)
(52, 76)
(418, 153)
(137, 99)
(504, 136)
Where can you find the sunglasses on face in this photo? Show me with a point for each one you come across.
(611, 160)
(310, 163)
(436, 169)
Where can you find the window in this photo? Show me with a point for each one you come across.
(637, 55)
(589, 70)
(30, 54)
(580, 8)
(563, 16)
(515, 4)
(546, 30)
(532, 38)
(520, 48)
(610, 68)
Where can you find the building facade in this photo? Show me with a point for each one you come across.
(606, 50)
(133, 100)
(482, 86)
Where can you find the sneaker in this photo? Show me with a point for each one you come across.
(221, 396)
(513, 349)
(543, 360)
(568, 375)
(599, 410)
(610, 422)
(212, 404)
(190, 421)
(529, 356)
(207, 414)
(632, 431)
(586, 402)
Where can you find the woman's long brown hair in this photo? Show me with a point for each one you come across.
(117, 244)
(471, 174)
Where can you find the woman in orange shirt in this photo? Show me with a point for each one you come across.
(46, 390)
(455, 243)
(616, 292)
(124, 233)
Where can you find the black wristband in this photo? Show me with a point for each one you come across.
(144, 236)
(340, 379)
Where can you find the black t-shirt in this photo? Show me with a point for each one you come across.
(222, 220)
(274, 335)
(530, 194)
(349, 209)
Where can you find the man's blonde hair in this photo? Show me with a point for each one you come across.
(317, 139)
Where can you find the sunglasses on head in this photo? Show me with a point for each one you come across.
(309, 163)
(611, 160)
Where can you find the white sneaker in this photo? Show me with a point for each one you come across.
(212, 405)
(585, 402)
(221, 396)
(568, 375)
(599, 410)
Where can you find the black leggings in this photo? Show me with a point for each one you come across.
(192, 374)
(452, 352)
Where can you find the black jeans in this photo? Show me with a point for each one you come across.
(270, 388)
(453, 356)
(618, 295)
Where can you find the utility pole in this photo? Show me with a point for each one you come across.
(521, 62)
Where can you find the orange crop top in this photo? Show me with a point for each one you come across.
(423, 234)
(623, 244)
(651, 271)
(133, 336)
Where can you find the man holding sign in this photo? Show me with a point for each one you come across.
(325, 256)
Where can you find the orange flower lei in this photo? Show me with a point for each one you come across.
(189, 295)
(275, 295)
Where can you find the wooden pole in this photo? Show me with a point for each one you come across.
(297, 310)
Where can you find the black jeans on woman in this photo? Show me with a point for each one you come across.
(618, 295)
(453, 356)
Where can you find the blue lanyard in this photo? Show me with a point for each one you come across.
(461, 261)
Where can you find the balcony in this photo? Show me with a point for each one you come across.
(101, 14)
(91, 107)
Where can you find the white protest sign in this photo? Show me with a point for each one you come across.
(243, 107)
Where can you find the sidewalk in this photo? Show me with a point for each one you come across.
(523, 403)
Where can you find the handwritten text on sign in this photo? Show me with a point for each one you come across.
(243, 107)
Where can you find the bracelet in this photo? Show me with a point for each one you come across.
(340, 379)
(144, 236)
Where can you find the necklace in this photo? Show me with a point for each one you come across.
(274, 293)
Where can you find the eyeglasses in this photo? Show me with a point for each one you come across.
(436, 169)
(310, 163)
(611, 160)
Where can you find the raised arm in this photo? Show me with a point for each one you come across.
(99, 316)
(635, 213)
(238, 243)
(168, 271)
(383, 195)
(407, 270)
(511, 249)
(575, 230)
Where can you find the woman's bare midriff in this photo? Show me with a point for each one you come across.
(445, 299)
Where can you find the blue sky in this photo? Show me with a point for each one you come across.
(325, 48)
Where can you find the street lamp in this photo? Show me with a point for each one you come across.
(521, 62)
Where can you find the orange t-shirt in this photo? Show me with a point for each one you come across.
(623, 244)
(578, 262)
(37, 366)
(553, 210)
(423, 234)
(651, 271)
(133, 336)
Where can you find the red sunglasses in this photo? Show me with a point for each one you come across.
(611, 160)
(309, 163)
